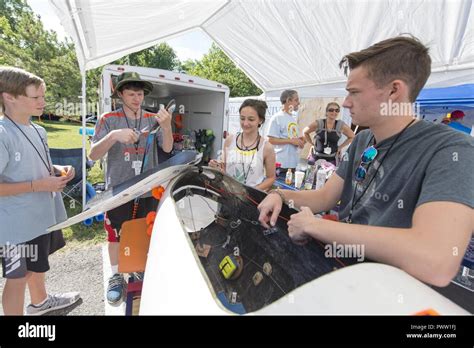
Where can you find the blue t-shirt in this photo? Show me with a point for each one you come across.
(284, 126)
(25, 216)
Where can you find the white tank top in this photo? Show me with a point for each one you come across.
(246, 166)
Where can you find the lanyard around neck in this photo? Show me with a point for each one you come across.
(46, 161)
(353, 204)
(326, 131)
(136, 120)
(136, 145)
(246, 174)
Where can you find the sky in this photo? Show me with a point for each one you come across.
(192, 45)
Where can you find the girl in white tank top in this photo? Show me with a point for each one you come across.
(248, 157)
(245, 164)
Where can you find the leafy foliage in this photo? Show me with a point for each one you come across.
(25, 43)
(215, 65)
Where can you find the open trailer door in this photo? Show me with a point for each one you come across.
(200, 103)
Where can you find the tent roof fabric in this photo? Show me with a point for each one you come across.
(278, 44)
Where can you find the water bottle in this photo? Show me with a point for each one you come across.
(289, 177)
(320, 178)
(88, 222)
(309, 177)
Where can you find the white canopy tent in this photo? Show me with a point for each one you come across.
(279, 44)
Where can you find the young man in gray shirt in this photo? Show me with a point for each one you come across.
(405, 186)
(122, 136)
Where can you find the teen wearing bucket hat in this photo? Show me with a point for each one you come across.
(132, 78)
(121, 135)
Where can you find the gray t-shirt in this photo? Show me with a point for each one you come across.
(121, 157)
(25, 216)
(428, 163)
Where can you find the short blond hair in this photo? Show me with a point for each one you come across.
(15, 80)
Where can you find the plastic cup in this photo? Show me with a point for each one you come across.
(100, 217)
(299, 176)
(88, 222)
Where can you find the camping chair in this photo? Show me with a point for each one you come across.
(72, 157)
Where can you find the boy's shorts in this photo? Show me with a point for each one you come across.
(116, 217)
(31, 256)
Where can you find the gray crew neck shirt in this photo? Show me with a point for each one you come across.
(120, 156)
(25, 216)
(428, 163)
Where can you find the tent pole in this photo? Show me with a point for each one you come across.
(84, 157)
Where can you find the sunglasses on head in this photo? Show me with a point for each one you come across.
(368, 156)
(332, 110)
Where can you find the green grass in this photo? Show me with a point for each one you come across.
(65, 135)
(80, 233)
(95, 174)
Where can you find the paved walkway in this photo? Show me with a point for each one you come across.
(76, 268)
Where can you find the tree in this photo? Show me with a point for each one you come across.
(24, 43)
(187, 66)
(161, 56)
(215, 65)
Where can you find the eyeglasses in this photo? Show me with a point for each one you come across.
(332, 110)
(368, 156)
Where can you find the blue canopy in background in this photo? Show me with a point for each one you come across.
(436, 103)
(462, 96)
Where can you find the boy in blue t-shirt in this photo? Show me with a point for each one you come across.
(30, 198)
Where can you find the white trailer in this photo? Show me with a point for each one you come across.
(202, 103)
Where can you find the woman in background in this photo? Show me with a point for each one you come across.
(328, 132)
